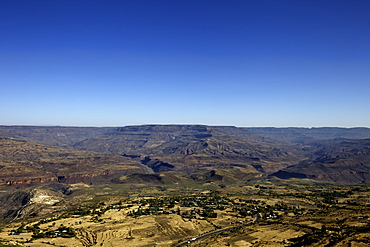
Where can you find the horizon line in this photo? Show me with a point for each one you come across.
(176, 124)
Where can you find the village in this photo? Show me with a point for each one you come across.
(176, 217)
(219, 210)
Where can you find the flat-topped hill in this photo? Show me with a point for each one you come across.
(195, 150)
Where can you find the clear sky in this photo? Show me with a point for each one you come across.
(242, 63)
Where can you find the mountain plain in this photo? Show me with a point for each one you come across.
(47, 171)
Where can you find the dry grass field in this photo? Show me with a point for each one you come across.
(293, 214)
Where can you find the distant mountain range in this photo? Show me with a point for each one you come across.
(222, 154)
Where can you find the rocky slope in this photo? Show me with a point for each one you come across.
(309, 135)
(52, 135)
(188, 147)
(25, 162)
(191, 150)
(339, 160)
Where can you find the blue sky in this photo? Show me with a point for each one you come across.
(242, 63)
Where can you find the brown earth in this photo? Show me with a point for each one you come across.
(25, 162)
(342, 223)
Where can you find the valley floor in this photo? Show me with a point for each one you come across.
(288, 213)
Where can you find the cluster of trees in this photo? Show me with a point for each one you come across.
(268, 211)
(152, 210)
(99, 209)
(62, 231)
(207, 204)
(330, 196)
(205, 212)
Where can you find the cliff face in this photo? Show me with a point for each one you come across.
(24, 162)
(71, 179)
(98, 153)
(181, 147)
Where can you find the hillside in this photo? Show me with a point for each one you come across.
(52, 135)
(24, 162)
(307, 135)
(339, 160)
(231, 154)
(189, 147)
(49, 170)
